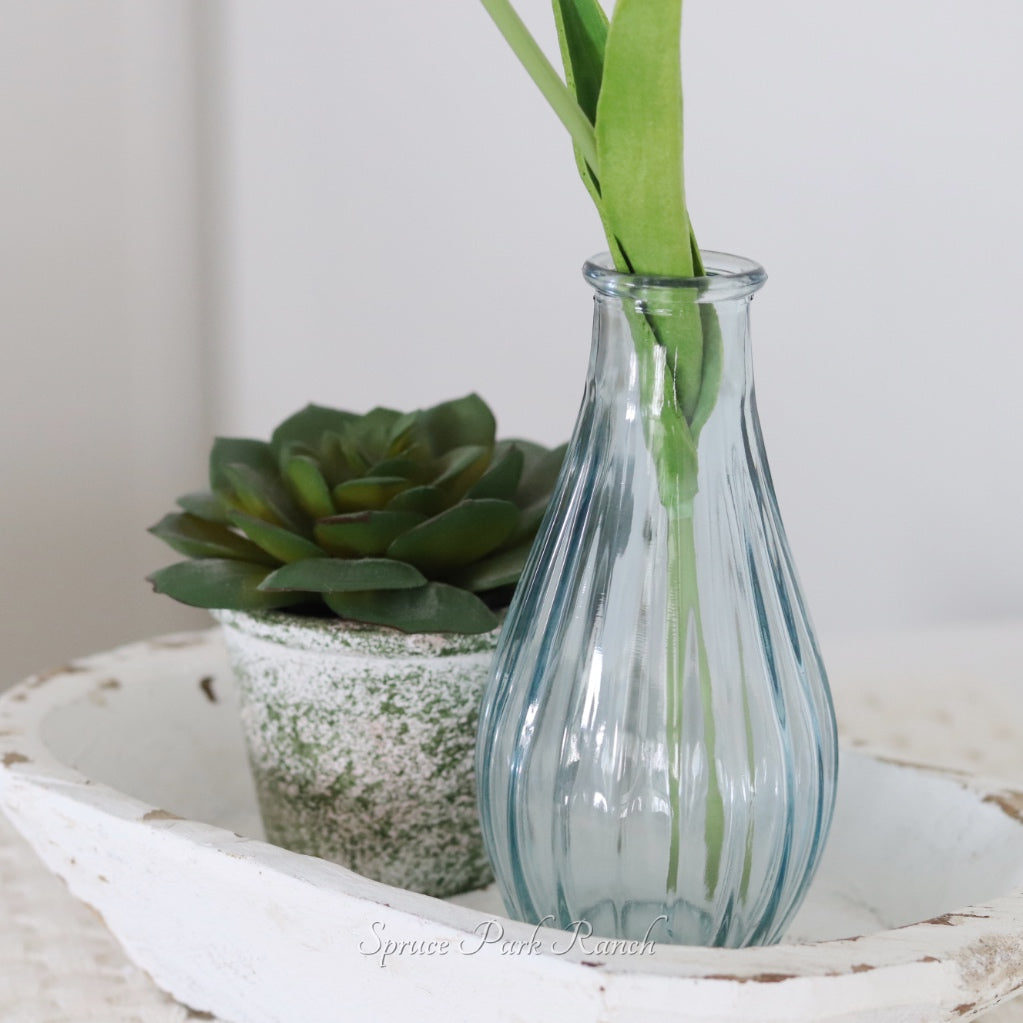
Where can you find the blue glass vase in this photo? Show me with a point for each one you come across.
(657, 754)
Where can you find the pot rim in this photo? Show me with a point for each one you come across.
(341, 636)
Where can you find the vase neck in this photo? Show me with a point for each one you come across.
(675, 345)
(634, 365)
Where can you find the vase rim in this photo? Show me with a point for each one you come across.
(727, 277)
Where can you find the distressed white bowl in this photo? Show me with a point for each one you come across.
(127, 773)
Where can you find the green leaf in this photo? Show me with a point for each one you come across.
(204, 505)
(431, 608)
(676, 476)
(670, 432)
(713, 358)
(428, 501)
(227, 451)
(261, 495)
(352, 449)
(402, 431)
(459, 469)
(543, 74)
(456, 537)
(461, 423)
(280, 543)
(297, 447)
(340, 459)
(539, 477)
(582, 34)
(364, 534)
(220, 583)
(501, 569)
(531, 451)
(679, 331)
(582, 37)
(307, 485)
(373, 431)
(501, 480)
(308, 427)
(337, 575)
(198, 538)
(530, 518)
(412, 464)
(639, 137)
(368, 492)
(682, 335)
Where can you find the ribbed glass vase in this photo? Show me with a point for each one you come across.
(657, 753)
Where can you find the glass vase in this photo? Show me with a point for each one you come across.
(657, 754)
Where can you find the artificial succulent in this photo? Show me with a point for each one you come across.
(420, 521)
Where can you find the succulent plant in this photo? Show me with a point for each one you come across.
(420, 521)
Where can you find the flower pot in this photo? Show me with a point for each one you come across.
(657, 752)
(360, 741)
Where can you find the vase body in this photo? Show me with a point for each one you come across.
(657, 753)
(361, 743)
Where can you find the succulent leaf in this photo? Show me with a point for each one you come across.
(414, 464)
(495, 571)
(261, 495)
(374, 432)
(341, 575)
(204, 505)
(281, 544)
(363, 534)
(355, 459)
(538, 478)
(368, 492)
(220, 583)
(198, 538)
(529, 520)
(332, 460)
(308, 426)
(532, 452)
(431, 608)
(307, 486)
(420, 521)
(401, 433)
(428, 501)
(460, 468)
(501, 480)
(455, 424)
(256, 454)
(456, 537)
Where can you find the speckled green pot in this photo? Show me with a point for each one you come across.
(361, 742)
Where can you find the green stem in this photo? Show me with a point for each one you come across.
(546, 78)
(683, 578)
(671, 441)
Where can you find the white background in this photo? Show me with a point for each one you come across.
(102, 404)
(217, 213)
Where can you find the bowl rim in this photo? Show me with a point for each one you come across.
(27, 765)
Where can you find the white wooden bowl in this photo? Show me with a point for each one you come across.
(127, 774)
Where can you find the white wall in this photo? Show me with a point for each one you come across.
(101, 402)
(403, 224)
(369, 203)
